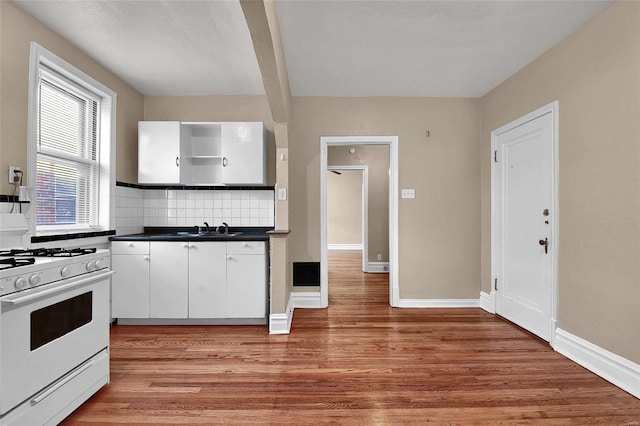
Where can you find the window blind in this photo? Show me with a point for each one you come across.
(67, 154)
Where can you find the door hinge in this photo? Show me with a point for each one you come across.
(495, 156)
(495, 284)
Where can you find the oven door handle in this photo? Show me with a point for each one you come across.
(57, 289)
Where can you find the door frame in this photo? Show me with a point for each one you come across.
(496, 170)
(392, 142)
(365, 208)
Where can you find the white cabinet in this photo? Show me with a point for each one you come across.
(130, 283)
(168, 295)
(244, 154)
(246, 286)
(159, 152)
(196, 280)
(207, 280)
(202, 153)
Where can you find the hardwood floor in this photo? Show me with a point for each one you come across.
(359, 362)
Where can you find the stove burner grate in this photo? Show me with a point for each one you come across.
(48, 252)
(14, 263)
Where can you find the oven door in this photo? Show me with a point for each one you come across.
(47, 331)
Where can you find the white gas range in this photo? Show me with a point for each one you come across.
(54, 332)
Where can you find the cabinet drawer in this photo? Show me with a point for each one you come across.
(130, 247)
(245, 247)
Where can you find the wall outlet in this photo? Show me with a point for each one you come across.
(408, 193)
(379, 256)
(14, 178)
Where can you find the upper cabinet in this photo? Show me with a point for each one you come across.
(202, 153)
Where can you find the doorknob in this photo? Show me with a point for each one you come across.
(544, 243)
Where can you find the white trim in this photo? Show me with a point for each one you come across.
(618, 370)
(553, 109)
(392, 141)
(377, 267)
(306, 300)
(344, 246)
(108, 101)
(281, 323)
(439, 303)
(488, 302)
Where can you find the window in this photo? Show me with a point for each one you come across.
(71, 156)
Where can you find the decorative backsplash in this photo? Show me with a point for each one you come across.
(137, 208)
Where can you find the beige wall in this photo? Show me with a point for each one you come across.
(439, 236)
(376, 157)
(344, 207)
(215, 108)
(17, 30)
(595, 75)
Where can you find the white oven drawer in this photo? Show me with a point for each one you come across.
(130, 247)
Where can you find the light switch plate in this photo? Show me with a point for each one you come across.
(408, 193)
(282, 194)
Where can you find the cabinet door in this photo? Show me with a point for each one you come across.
(130, 286)
(169, 276)
(207, 280)
(246, 286)
(159, 152)
(244, 154)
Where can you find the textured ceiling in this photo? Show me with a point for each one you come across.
(332, 48)
(419, 48)
(161, 47)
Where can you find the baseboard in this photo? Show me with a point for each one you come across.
(618, 370)
(281, 323)
(377, 267)
(487, 302)
(439, 303)
(305, 299)
(344, 246)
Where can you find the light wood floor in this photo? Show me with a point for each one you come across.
(359, 362)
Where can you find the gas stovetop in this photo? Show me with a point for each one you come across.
(22, 269)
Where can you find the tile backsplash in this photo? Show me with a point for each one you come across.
(137, 208)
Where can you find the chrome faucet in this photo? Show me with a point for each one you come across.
(206, 226)
(224, 228)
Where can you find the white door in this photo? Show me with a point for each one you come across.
(169, 275)
(523, 195)
(159, 152)
(243, 153)
(208, 280)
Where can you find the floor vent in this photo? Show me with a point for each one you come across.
(306, 273)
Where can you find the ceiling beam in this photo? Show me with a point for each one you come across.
(264, 28)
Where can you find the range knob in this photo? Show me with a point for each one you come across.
(90, 266)
(20, 283)
(34, 279)
(99, 264)
(64, 272)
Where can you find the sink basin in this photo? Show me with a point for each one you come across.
(218, 235)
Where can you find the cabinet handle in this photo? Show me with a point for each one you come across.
(224, 161)
(177, 161)
(186, 245)
(146, 258)
(229, 258)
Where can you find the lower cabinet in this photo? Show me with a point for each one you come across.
(130, 283)
(168, 293)
(179, 280)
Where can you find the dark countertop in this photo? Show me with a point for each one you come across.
(191, 233)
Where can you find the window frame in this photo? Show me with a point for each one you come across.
(39, 57)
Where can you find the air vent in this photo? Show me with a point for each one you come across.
(306, 273)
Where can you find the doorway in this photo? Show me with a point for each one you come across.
(348, 209)
(392, 231)
(524, 221)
